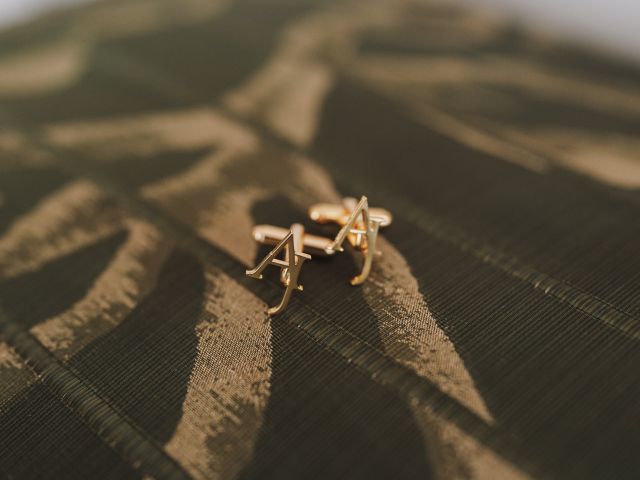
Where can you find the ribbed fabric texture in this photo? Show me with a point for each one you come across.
(497, 337)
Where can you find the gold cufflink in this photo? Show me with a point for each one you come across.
(359, 226)
(294, 242)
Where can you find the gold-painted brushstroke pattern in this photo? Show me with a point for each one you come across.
(130, 275)
(287, 92)
(219, 207)
(216, 197)
(455, 454)
(412, 337)
(415, 339)
(72, 217)
(423, 74)
(146, 134)
(409, 331)
(15, 374)
(75, 216)
(21, 76)
(484, 84)
(117, 19)
(66, 58)
(610, 157)
(15, 152)
(229, 384)
(9, 358)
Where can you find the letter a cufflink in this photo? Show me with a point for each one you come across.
(359, 225)
(292, 243)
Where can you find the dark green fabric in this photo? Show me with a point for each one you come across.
(498, 336)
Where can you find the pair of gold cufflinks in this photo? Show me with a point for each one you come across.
(359, 225)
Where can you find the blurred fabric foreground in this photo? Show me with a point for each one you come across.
(497, 337)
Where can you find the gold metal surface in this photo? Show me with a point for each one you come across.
(291, 244)
(313, 244)
(335, 213)
(359, 225)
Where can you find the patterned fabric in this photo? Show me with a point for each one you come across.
(497, 337)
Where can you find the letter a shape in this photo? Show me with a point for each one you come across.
(369, 228)
(290, 269)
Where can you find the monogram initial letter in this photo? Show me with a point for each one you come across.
(290, 269)
(366, 227)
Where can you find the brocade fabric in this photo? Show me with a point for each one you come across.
(498, 336)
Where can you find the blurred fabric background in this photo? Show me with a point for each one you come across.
(612, 25)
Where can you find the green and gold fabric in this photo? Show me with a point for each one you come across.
(497, 337)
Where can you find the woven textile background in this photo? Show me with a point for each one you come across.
(498, 336)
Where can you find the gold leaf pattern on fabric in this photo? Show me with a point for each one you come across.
(408, 329)
(610, 158)
(146, 134)
(65, 59)
(22, 75)
(287, 93)
(130, 275)
(455, 454)
(213, 195)
(16, 152)
(229, 384)
(15, 374)
(503, 84)
(73, 216)
(9, 358)
(134, 17)
(411, 332)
